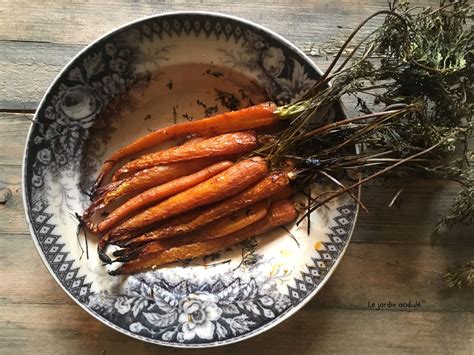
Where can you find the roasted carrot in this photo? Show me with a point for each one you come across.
(219, 228)
(161, 192)
(159, 172)
(230, 182)
(175, 220)
(222, 145)
(285, 193)
(265, 188)
(143, 180)
(280, 213)
(248, 118)
(179, 219)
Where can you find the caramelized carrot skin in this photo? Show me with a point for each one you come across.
(249, 118)
(222, 145)
(220, 228)
(273, 184)
(281, 212)
(228, 224)
(230, 182)
(160, 173)
(143, 180)
(285, 193)
(161, 192)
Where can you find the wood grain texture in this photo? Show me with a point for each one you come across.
(28, 69)
(33, 51)
(82, 22)
(393, 255)
(410, 274)
(62, 329)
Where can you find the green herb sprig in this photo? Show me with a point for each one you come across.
(418, 67)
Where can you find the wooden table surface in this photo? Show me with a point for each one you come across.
(393, 255)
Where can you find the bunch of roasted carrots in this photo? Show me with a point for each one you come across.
(193, 199)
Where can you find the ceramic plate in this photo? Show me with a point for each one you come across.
(145, 75)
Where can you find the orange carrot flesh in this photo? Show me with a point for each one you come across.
(176, 220)
(285, 193)
(155, 175)
(230, 182)
(249, 118)
(161, 192)
(280, 213)
(220, 228)
(229, 224)
(140, 181)
(222, 145)
(270, 185)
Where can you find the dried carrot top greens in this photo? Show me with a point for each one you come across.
(418, 65)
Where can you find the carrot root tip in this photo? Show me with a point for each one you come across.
(127, 257)
(115, 272)
(119, 252)
(102, 254)
(97, 183)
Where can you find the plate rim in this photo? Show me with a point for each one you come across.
(26, 205)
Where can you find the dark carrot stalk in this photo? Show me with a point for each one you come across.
(228, 183)
(161, 192)
(280, 213)
(219, 228)
(245, 119)
(270, 185)
(222, 145)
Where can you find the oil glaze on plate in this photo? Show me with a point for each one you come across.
(145, 75)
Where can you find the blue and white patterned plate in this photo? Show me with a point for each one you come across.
(145, 75)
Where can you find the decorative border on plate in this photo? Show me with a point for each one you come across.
(70, 278)
(324, 260)
(194, 24)
(57, 258)
(54, 254)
